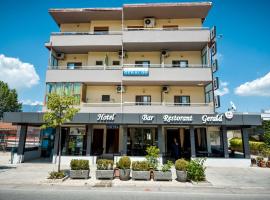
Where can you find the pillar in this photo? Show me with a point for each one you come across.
(161, 140)
(225, 141)
(56, 145)
(245, 139)
(89, 139)
(21, 145)
(124, 149)
(192, 142)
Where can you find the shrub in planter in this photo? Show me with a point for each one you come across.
(260, 161)
(104, 169)
(56, 175)
(181, 170)
(152, 156)
(165, 174)
(140, 170)
(196, 170)
(124, 168)
(79, 169)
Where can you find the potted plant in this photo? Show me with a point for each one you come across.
(165, 174)
(104, 169)
(79, 169)
(181, 170)
(124, 168)
(260, 161)
(152, 156)
(196, 170)
(140, 170)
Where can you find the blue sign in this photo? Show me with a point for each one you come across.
(138, 71)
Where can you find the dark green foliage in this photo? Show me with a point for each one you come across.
(181, 164)
(104, 164)
(140, 166)
(196, 170)
(266, 136)
(167, 167)
(8, 100)
(152, 156)
(77, 164)
(56, 175)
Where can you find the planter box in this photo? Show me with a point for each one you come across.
(141, 175)
(104, 174)
(124, 174)
(181, 176)
(162, 176)
(79, 174)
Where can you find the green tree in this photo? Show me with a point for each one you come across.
(8, 100)
(266, 129)
(60, 111)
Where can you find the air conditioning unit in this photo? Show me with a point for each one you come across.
(120, 89)
(149, 22)
(120, 54)
(165, 53)
(60, 56)
(165, 89)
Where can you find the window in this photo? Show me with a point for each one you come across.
(170, 27)
(54, 62)
(143, 100)
(180, 63)
(99, 62)
(105, 97)
(116, 62)
(182, 100)
(142, 63)
(204, 56)
(208, 93)
(74, 65)
(101, 30)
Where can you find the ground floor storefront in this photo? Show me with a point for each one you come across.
(112, 135)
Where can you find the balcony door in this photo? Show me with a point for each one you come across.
(180, 63)
(182, 100)
(142, 63)
(74, 65)
(143, 100)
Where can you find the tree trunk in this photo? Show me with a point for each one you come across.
(59, 149)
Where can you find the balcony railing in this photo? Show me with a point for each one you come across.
(120, 67)
(147, 107)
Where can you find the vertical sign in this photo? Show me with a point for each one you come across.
(216, 83)
(214, 65)
(217, 101)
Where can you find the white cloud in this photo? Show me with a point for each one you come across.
(257, 87)
(31, 103)
(223, 90)
(17, 73)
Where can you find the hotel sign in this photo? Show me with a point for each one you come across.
(102, 117)
(136, 71)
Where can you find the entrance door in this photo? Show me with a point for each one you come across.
(171, 134)
(97, 145)
(112, 141)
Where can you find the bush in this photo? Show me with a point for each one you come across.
(166, 167)
(56, 175)
(181, 165)
(76, 164)
(124, 163)
(152, 156)
(140, 166)
(196, 170)
(104, 164)
(255, 146)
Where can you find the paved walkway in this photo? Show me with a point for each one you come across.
(37, 173)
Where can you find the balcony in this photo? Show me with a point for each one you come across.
(145, 39)
(156, 75)
(83, 42)
(154, 108)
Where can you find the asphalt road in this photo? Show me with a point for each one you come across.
(82, 193)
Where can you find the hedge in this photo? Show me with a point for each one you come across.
(255, 146)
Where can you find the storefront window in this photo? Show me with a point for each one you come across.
(139, 139)
(235, 144)
(216, 143)
(74, 141)
(32, 141)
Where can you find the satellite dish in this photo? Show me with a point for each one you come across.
(233, 107)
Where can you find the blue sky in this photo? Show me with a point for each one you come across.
(243, 49)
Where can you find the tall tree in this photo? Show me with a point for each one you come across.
(60, 111)
(8, 100)
(266, 135)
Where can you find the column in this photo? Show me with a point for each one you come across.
(245, 139)
(124, 149)
(161, 140)
(192, 142)
(208, 140)
(89, 139)
(225, 141)
(56, 145)
(21, 145)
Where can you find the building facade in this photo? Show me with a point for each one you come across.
(142, 74)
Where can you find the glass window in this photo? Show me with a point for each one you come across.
(32, 141)
(182, 100)
(180, 63)
(143, 100)
(105, 98)
(204, 56)
(101, 30)
(116, 62)
(208, 93)
(142, 63)
(99, 62)
(54, 62)
(74, 65)
(74, 141)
